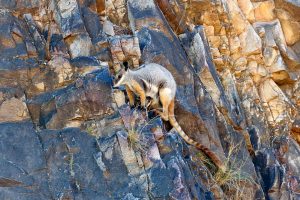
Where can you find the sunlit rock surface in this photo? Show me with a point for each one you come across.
(66, 133)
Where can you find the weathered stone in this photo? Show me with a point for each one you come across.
(100, 7)
(277, 61)
(293, 163)
(274, 99)
(272, 33)
(79, 45)
(230, 91)
(13, 36)
(58, 73)
(173, 13)
(125, 48)
(13, 109)
(240, 64)
(290, 29)
(71, 166)
(210, 18)
(195, 11)
(209, 30)
(62, 68)
(76, 165)
(270, 54)
(257, 71)
(264, 11)
(69, 18)
(117, 12)
(15, 72)
(250, 41)
(275, 65)
(86, 65)
(200, 58)
(247, 9)
(39, 41)
(295, 130)
(108, 28)
(290, 26)
(22, 163)
(214, 41)
(235, 44)
(71, 106)
(73, 29)
(254, 114)
(93, 25)
(237, 18)
(272, 174)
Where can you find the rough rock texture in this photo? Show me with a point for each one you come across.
(65, 133)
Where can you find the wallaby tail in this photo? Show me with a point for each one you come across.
(199, 146)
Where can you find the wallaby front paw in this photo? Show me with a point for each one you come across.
(165, 117)
(162, 115)
(140, 107)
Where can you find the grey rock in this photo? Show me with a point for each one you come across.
(93, 25)
(73, 28)
(70, 106)
(39, 40)
(22, 162)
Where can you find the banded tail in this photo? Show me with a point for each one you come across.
(199, 146)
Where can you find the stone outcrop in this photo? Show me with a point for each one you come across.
(66, 133)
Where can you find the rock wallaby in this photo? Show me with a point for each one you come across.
(157, 83)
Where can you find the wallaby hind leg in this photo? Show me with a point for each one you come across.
(165, 99)
(171, 108)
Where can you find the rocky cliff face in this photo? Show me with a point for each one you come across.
(66, 134)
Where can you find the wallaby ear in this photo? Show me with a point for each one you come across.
(125, 65)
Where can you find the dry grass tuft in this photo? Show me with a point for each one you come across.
(235, 182)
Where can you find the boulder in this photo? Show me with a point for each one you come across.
(264, 11)
(13, 109)
(70, 106)
(23, 163)
(250, 41)
(277, 55)
(247, 8)
(73, 28)
(287, 12)
(238, 20)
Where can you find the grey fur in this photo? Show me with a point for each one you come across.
(152, 77)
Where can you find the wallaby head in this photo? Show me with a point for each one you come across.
(122, 76)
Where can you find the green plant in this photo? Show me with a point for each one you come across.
(90, 129)
(137, 140)
(234, 181)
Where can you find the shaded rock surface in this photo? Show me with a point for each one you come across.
(65, 133)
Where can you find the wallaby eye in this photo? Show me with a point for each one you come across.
(119, 76)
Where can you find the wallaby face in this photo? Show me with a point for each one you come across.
(120, 78)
